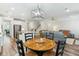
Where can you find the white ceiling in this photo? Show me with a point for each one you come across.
(23, 10)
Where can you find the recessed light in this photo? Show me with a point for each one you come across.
(12, 8)
(67, 10)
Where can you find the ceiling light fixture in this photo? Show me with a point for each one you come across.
(38, 13)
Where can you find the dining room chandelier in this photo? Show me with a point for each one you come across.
(38, 13)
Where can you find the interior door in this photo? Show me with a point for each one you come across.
(16, 28)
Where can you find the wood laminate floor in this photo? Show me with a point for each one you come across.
(9, 49)
(71, 50)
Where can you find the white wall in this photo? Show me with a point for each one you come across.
(49, 25)
(3, 21)
(66, 23)
(70, 23)
(46, 24)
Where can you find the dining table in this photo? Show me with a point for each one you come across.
(40, 46)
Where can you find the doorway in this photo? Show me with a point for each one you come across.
(7, 28)
(16, 29)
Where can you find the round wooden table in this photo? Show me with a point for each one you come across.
(40, 46)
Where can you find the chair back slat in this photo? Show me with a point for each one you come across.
(28, 36)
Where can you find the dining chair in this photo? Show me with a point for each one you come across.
(50, 36)
(59, 36)
(60, 48)
(57, 51)
(20, 48)
(28, 36)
